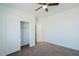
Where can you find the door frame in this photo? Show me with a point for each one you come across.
(21, 32)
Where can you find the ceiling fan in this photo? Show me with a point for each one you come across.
(45, 6)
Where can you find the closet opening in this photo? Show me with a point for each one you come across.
(24, 34)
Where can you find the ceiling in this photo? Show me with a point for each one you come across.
(30, 8)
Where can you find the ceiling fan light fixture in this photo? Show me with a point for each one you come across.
(45, 6)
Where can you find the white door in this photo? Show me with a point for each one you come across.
(39, 33)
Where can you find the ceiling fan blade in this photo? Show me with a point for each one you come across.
(42, 3)
(38, 8)
(46, 9)
(53, 4)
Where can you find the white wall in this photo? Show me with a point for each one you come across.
(10, 29)
(62, 28)
(2, 34)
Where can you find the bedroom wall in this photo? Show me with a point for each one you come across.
(10, 38)
(62, 28)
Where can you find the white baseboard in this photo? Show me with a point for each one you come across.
(61, 45)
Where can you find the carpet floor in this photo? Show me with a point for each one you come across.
(45, 49)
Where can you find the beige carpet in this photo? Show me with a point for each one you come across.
(46, 49)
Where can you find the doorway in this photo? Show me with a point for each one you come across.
(24, 34)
